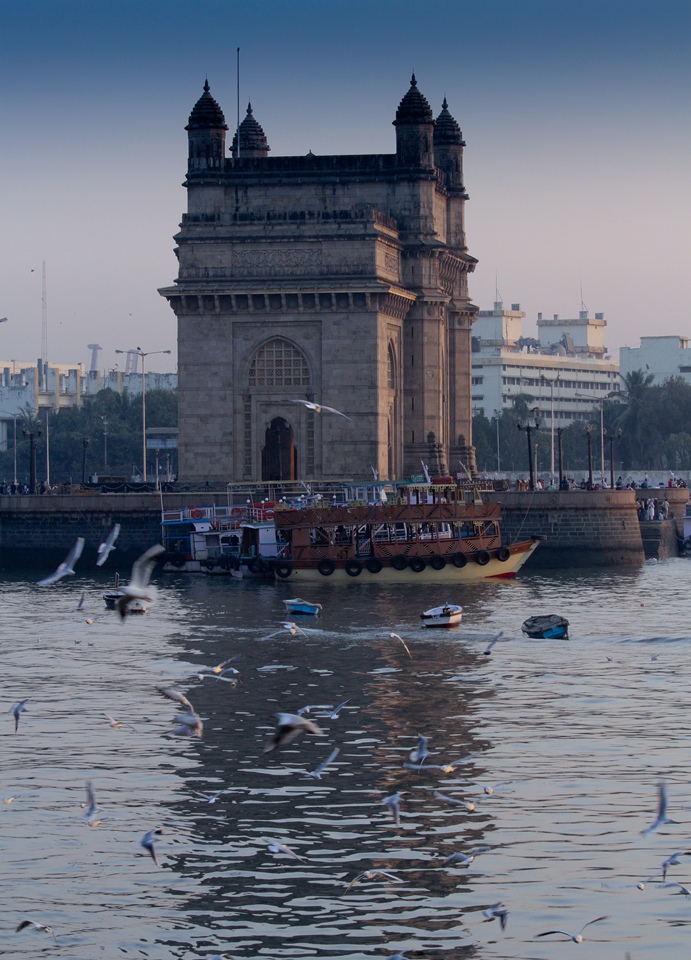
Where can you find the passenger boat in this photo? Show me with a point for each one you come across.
(447, 615)
(550, 627)
(427, 533)
(303, 607)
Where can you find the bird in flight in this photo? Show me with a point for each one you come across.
(105, 548)
(66, 568)
(289, 726)
(320, 408)
(371, 875)
(395, 636)
(418, 755)
(662, 817)
(282, 848)
(138, 588)
(392, 803)
(317, 774)
(190, 723)
(17, 710)
(576, 937)
(464, 859)
(497, 912)
(37, 926)
(147, 841)
(90, 808)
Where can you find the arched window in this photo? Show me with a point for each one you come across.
(391, 368)
(279, 364)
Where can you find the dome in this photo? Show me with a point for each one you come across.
(446, 130)
(206, 113)
(253, 140)
(413, 108)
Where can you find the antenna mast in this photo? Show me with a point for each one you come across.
(237, 129)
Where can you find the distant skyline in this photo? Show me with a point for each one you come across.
(575, 114)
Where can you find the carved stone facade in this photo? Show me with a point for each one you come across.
(339, 280)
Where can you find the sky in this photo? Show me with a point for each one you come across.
(575, 114)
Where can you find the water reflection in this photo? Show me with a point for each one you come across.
(573, 737)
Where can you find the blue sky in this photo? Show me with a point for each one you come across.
(575, 114)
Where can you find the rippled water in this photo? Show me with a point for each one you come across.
(574, 736)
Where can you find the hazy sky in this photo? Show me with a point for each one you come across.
(575, 114)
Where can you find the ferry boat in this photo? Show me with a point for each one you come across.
(436, 533)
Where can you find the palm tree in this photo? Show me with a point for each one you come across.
(636, 395)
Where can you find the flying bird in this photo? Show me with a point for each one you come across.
(17, 710)
(289, 726)
(105, 548)
(497, 912)
(37, 926)
(395, 636)
(392, 803)
(662, 817)
(147, 841)
(115, 724)
(282, 848)
(320, 408)
(317, 774)
(576, 937)
(66, 568)
(463, 859)
(371, 875)
(418, 755)
(138, 588)
(209, 797)
(494, 640)
(90, 808)
(335, 712)
(190, 723)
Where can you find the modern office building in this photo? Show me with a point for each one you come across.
(664, 357)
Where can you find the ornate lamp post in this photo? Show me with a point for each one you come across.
(528, 429)
(611, 438)
(588, 432)
(143, 354)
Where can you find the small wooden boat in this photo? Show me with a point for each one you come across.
(303, 607)
(111, 597)
(447, 615)
(549, 627)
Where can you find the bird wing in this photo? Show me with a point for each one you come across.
(596, 920)
(143, 567)
(172, 694)
(333, 410)
(324, 764)
(395, 636)
(74, 554)
(549, 933)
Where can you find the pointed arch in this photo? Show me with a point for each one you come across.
(279, 363)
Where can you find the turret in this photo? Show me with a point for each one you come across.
(253, 142)
(206, 131)
(414, 125)
(448, 148)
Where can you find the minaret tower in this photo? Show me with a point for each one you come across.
(253, 142)
(414, 125)
(206, 131)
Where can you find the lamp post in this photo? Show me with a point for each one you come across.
(601, 401)
(611, 439)
(560, 450)
(33, 434)
(497, 415)
(528, 429)
(143, 354)
(588, 432)
(551, 381)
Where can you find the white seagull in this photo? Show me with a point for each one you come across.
(105, 548)
(147, 841)
(190, 723)
(662, 817)
(138, 588)
(282, 848)
(320, 408)
(288, 727)
(496, 912)
(37, 926)
(90, 808)
(576, 937)
(66, 568)
(317, 774)
(17, 710)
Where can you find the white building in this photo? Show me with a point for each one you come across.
(664, 357)
(568, 367)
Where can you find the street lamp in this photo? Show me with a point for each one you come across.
(588, 432)
(601, 401)
(528, 429)
(143, 354)
(611, 439)
(551, 382)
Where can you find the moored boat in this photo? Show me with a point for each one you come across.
(448, 615)
(549, 627)
(303, 607)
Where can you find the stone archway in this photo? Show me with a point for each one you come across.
(279, 454)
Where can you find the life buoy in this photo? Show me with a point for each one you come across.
(196, 514)
(353, 568)
(437, 563)
(283, 569)
(253, 565)
(503, 554)
(262, 565)
(459, 560)
(417, 564)
(236, 511)
(374, 564)
(326, 567)
(399, 562)
(482, 558)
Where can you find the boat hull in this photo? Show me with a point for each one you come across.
(472, 572)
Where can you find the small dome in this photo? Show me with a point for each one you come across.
(206, 113)
(252, 137)
(413, 108)
(446, 129)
